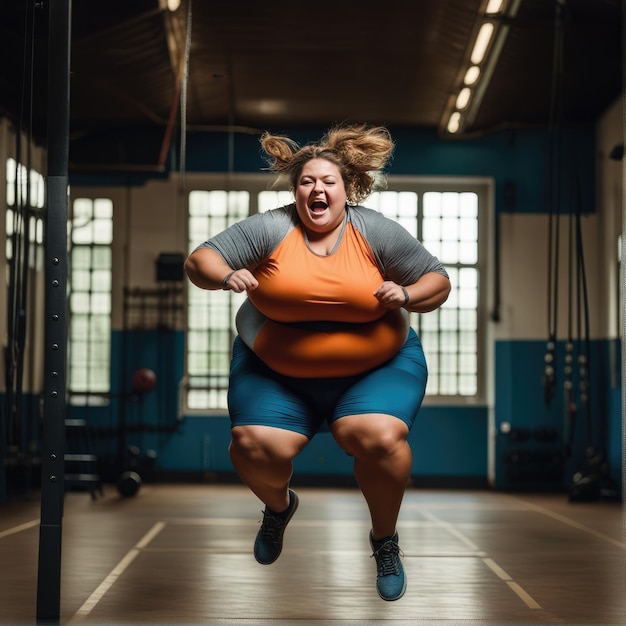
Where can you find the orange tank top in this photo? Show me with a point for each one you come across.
(299, 291)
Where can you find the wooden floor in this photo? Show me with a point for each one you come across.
(182, 554)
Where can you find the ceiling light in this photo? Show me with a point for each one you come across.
(463, 98)
(266, 107)
(173, 5)
(494, 6)
(454, 123)
(472, 74)
(482, 43)
(491, 32)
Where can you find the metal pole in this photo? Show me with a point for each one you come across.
(55, 358)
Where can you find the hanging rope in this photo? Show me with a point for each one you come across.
(569, 401)
(584, 350)
(20, 245)
(183, 101)
(554, 209)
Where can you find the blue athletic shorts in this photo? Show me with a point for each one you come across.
(259, 396)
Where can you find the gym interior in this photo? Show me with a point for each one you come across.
(118, 500)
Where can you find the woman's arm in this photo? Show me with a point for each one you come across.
(427, 294)
(207, 269)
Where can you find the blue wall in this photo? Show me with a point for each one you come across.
(527, 456)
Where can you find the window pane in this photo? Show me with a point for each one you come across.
(79, 302)
(101, 303)
(103, 209)
(81, 258)
(81, 280)
(79, 328)
(101, 257)
(10, 175)
(101, 281)
(273, 199)
(102, 231)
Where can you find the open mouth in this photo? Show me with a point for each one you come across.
(318, 206)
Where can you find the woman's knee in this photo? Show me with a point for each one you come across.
(261, 443)
(371, 436)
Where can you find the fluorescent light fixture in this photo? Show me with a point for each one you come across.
(461, 109)
(454, 123)
(462, 100)
(472, 75)
(494, 6)
(482, 43)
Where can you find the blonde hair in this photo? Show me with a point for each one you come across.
(359, 151)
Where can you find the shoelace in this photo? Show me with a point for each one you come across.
(272, 526)
(388, 558)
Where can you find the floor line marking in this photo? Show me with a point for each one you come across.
(490, 563)
(577, 525)
(526, 598)
(91, 602)
(150, 535)
(18, 529)
(496, 569)
(452, 530)
(530, 602)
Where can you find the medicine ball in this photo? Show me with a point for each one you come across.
(143, 380)
(128, 484)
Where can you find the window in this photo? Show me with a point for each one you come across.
(447, 216)
(16, 226)
(89, 353)
(210, 316)
(447, 225)
(25, 197)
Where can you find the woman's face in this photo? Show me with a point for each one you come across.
(320, 196)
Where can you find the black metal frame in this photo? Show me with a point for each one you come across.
(55, 358)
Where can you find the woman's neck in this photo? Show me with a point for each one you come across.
(324, 243)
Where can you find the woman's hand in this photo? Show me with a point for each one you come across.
(391, 295)
(427, 294)
(239, 281)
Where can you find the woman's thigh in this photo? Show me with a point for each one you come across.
(397, 388)
(259, 397)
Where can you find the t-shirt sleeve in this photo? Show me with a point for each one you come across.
(249, 242)
(402, 258)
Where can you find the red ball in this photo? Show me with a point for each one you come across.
(143, 380)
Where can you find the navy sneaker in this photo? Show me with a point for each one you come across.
(390, 578)
(269, 539)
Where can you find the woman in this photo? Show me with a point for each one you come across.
(324, 333)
